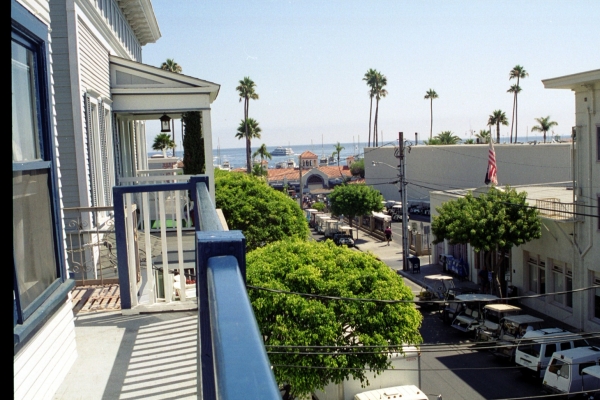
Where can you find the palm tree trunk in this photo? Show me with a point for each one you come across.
(248, 149)
(497, 132)
(370, 118)
(516, 115)
(431, 114)
(375, 141)
(512, 122)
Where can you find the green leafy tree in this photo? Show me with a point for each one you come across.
(259, 171)
(291, 320)
(248, 130)
(355, 200)
(246, 90)
(470, 141)
(447, 137)
(162, 142)
(496, 220)
(319, 206)
(430, 95)
(498, 117)
(194, 160)
(544, 125)
(484, 136)
(262, 213)
(517, 72)
(432, 142)
(380, 92)
(358, 168)
(370, 79)
(338, 150)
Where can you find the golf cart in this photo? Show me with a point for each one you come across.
(454, 303)
(489, 330)
(435, 288)
(513, 327)
(469, 319)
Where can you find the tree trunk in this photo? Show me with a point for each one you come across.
(512, 122)
(497, 132)
(375, 141)
(431, 114)
(370, 118)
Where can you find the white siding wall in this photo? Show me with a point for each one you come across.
(41, 366)
(93, 61)
(464, 166)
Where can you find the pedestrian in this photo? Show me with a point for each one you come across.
(388, 235)
(483, 280)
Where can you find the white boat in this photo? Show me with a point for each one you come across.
(282, 151)
(286, 164)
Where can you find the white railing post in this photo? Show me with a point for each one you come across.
(149, 262)
(129, 230)
(167, 280)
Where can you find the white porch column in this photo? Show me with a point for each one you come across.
(208, 152)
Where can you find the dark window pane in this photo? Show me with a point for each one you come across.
(33, 235)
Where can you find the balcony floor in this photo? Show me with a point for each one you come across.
(145, 356)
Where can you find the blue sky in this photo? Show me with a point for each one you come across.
(308, 59)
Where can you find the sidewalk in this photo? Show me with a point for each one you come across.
(392, 256)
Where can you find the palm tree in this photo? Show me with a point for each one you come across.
(484, 136)
(498, 117)
(171, 65)
(544, 125)
(246, 91)
(447, 137)
(248, 130)
(379, 91)
(262, 152)
(162, 142)
(431, 94)
(338, 150)
(513, 89)
(517, 72)
(431, 142)
(370, 79)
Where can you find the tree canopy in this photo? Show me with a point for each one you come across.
(544, 125)
(247, 91)
(496, 118)
(430, 95)
(294, 320)
(194, 161)
(262, 213)
(499, 218)
(354, 200)
(162, 142)
(447, 137)
(358, 168)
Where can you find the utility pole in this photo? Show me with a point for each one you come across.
(402, 179)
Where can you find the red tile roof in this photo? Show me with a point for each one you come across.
(308, 154)
(335, 171)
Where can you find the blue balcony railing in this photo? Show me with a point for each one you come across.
(232, 357)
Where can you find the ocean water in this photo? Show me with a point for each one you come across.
(237, 156)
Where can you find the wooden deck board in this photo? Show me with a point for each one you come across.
(96, 298)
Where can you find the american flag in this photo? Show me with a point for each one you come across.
(491, 173)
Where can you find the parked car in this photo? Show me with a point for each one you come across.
(535, 348)
(564, 374)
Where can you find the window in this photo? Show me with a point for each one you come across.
(536, 269)
(99, 140)
(36, 239)
(562, 280)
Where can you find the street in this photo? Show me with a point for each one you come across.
(450, 369)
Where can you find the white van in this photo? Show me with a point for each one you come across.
(406, 392)
(535, 348)
(565, 371)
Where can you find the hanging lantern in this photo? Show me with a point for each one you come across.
(165, 125)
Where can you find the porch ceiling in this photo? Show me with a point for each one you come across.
(148, 92)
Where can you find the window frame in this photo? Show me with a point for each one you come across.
(31, 33)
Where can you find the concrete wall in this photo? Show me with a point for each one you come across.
(464, 166)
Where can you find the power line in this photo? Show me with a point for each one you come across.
(429, 302)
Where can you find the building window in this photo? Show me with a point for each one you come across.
(537, 274)
(36, 238)
(562, 280)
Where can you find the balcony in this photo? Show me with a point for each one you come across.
(555, 209)
(209, 345)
